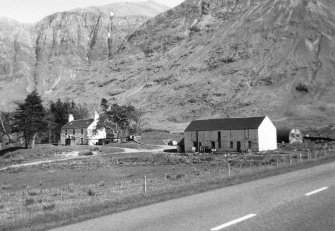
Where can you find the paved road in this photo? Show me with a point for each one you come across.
(301, 200)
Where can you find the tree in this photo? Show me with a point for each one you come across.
(117, 118)
(58, 114)
(29, 119)
(5, 126)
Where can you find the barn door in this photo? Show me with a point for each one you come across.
(238, 146)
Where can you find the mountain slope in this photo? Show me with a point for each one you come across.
(227, 58)
(215, 58)
(64, 46)
(16, 59)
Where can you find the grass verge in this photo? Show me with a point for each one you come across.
(47, 220)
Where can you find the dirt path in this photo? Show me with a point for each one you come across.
(74, 156)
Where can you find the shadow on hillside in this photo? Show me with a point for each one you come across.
(7, 150)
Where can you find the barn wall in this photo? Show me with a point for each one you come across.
(189, 137)
(207, 137)
(267, 137)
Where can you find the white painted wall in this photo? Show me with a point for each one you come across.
(94, 138)
(267, 135)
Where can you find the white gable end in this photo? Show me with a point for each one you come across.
(267, 135)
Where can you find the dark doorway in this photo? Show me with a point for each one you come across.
(68, 141)
(213, 144)
(238, 146)
(219, 139)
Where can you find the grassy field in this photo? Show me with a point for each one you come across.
(49, 152)
(51, 194)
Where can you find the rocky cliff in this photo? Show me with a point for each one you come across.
(214, 58)
(64, 46)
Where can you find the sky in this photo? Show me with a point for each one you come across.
(30, 11)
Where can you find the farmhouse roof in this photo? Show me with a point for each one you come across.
(78, 124)
(225, 124)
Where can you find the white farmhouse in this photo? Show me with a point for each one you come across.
(231, 134)
(81, 132)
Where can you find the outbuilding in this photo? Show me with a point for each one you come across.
(231, 134)
(289, 136)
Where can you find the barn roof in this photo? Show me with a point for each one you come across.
(78, 124)
(225, 124)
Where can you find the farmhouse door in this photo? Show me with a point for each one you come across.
(68, 142)
(238, 146)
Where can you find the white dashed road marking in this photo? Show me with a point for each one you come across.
(316, 191)
(233, 222)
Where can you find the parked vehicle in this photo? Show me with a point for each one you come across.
(207, 149)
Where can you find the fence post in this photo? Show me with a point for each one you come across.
(300, 156)
(229, 173)
(290, 160)
(145, 184)
(277, 161)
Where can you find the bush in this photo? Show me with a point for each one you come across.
(28, 201)
(180, 175)
(48, 206)
(90, 193)
(168, 176)
(85, 153)
(6, 186)
(92, 149)
(302, 87)
(33, 193)
(101, 184)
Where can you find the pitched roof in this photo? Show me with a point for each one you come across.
(78, 124)
(225, 124)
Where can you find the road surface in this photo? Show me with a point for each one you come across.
(301, 200)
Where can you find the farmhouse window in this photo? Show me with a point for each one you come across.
(194, 144)
(82, 131)
(65, 132)
(74, 131)
(82, 141)
(246, 134)
(249, 144)
(231, 144)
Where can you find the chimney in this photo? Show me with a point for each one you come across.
(71, 118)
(96, 115)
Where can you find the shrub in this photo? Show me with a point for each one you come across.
(92, 149)
(6, 186)
(33, 192)
(28, 201)
(302, 87)
(85, 153)
(90, 193)
(180, 175)
(48, 206)
(101, 184)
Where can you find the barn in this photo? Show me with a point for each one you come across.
(231, 134)
(81, 132)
